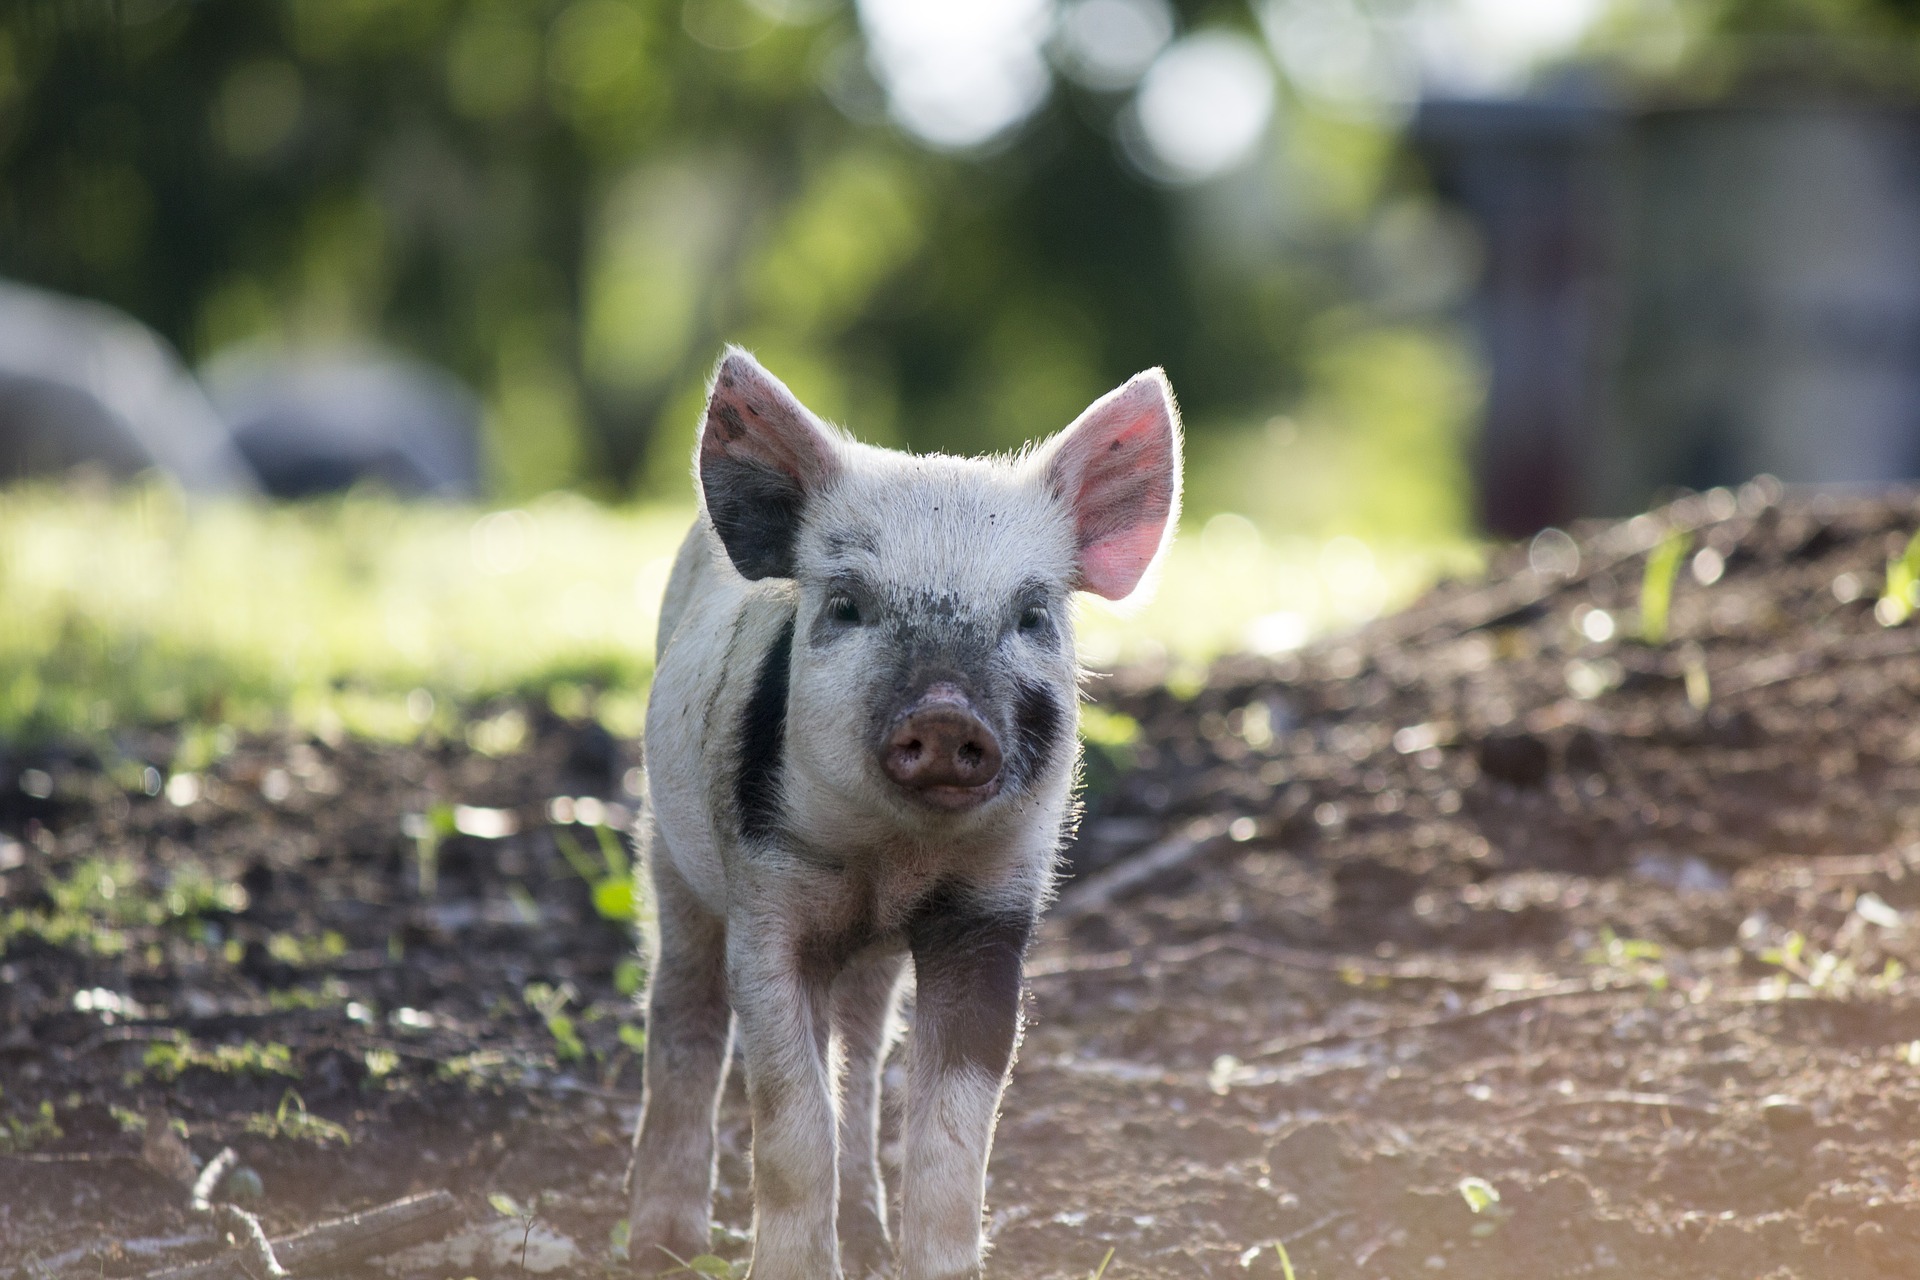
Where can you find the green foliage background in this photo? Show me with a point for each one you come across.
(572, 203)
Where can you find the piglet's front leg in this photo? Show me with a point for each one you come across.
(966, 958)
(783, 1017)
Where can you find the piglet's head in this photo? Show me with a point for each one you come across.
(1117, 471)
(761, 455)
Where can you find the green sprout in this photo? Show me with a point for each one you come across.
(1479, 1194)
(1902, 594)
(550, 1003)
(1286, 1263)
(18, 1137)
(1483, 1199)
(292, 1120)
(615, 895)
(1656, 587)
(169, 1059)
(1635, 958)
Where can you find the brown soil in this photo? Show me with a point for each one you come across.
(1464, 895)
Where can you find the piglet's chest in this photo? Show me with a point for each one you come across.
(856, 912)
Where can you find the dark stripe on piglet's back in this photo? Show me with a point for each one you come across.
(763, 740)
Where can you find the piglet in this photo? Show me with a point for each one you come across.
(861, 750)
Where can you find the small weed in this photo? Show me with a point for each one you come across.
(628, 976)
(1479, 1194)
(550, 1003)
(327, 995)
(1636, 959)
(1101, 1270)
(17, 1136)
(1656, 585)
(615, 895)
(381, 1063)
(1828, 970)
(291, 1119)
(100, 902)
(1483, 1200)
(304, 953)
(168, 1059)
(1693, 668)
(486, 1066)
(428, 830)
(1902, 593)
(1286, 1263)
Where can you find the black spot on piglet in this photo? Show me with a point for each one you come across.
(763, 740)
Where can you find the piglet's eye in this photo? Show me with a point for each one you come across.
(843, 609)
(1033, 617)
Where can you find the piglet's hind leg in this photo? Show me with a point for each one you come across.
(689, 1030)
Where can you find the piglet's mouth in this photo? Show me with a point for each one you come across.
(957, 799)
(941, 753)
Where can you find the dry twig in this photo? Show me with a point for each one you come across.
(336, 1242)
(1103, 887)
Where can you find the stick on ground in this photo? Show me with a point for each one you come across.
(385, 1228)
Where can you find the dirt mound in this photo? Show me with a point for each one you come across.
(1493, 893)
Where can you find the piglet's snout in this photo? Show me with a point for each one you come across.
(941, 750)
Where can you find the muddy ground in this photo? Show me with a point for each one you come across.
(1493, 889)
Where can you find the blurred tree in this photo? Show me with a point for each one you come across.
(572, 203)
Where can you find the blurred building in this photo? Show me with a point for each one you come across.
(320, 422)
(86, 387)
(1686, 295)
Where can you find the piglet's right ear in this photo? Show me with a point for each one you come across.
(761, 454)
(1118, 470)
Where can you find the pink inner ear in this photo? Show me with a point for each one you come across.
(1120, 464)
(753, 417)
(1113, 568)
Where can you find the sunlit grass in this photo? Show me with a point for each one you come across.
(1229, 587)
(363, 614)
(373, 617)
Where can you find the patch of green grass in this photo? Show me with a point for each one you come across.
(291, 1120)
(18, 1135)
(169, 1059)
(98, 905)
(137, 607)
(378, 618)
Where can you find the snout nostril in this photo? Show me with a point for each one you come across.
(937, 747)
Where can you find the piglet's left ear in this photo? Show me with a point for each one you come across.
(761, 456)
(1118, 470)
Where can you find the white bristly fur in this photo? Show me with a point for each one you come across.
(811, 918)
